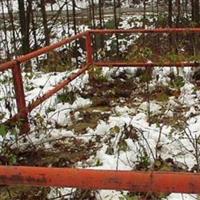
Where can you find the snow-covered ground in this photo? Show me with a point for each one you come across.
(126, 138)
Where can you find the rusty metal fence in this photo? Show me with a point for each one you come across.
(152, 181)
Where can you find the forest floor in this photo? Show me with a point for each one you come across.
(122, 119)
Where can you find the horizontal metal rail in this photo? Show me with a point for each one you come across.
(48, 94)
(8, 65)
(164, 182)
(29, 56)
(47, 49)
(23, 110)
(132, 64)
(36, 53)
(139, 30)
(58, 87)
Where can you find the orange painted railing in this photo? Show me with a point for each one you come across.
(101, 179)
(83, 178)
(23, 109)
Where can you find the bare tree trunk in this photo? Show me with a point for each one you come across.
(68, 32)
(44, 22)
(144, 13)
(157, 7)
(178, 7)
(24, 27)
(90, 13)
(186, 5)
(100, 14)
(34, 27)
(94, 26)
(197, 16)
(74, 16)
(116, 26)
(68, 20)
(75, 30)
(170, 21)
(170, 13)
(93, 14)
(178, 13)
(197, 23)
(5, 32)
(195, 12)
(144, 21)
(101, 23)
(152, 6)
(10, 12)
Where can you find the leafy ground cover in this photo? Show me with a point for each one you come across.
(117, 119)
(124, 119)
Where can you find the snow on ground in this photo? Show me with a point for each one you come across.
(115, 149)
(125, 157)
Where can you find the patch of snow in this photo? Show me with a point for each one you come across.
(187, 96)
(152, 106)
(175, 196)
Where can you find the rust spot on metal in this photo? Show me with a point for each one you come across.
(20, 179)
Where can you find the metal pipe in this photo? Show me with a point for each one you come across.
(89, 49)
(165, 182)
(58, 87)
(20, 98)
(7, 65)
(141, 30)
(130, 64)
(29, 56)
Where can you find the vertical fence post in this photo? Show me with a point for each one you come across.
(20, 98)
(89, 49)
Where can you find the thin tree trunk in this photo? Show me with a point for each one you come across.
(74, 16)
(34, 28)
(10, 12)
(100, 14)
(94, 26)
(178, 13)
(157, 7)
(101, 23)
(116, 26)
(74, 27)
(197, 16)
(90, 13)
(68, 20)
(170, 21)
(93, 14)
(44, 22)
(170, 13)
(23, 27)
(68, 32)
(5, 32)
(144, 13)
(193, 10)
(144, 21)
